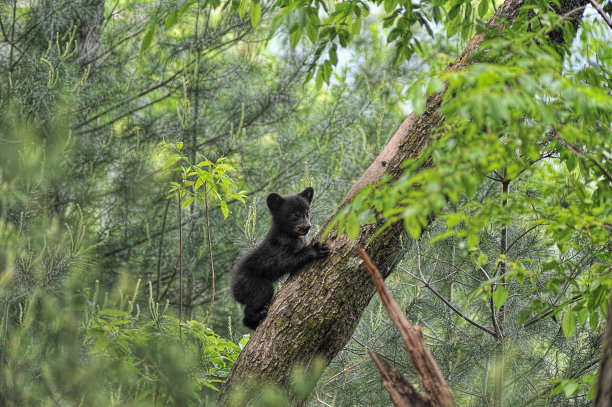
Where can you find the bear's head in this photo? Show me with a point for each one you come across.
(291, 213)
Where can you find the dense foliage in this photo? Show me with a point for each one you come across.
(520, 184)
(138, 140)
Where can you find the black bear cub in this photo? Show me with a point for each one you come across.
(283, 251)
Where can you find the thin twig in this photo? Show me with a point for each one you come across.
(521, 236)
(180, 215)
(344, 370)
(597, 7)
(548, 312)
(575, 150)
(202, 300)
(134, 110)
(210, 254)
(159, 252)
(445, 301)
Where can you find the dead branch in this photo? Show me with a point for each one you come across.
(424, 364)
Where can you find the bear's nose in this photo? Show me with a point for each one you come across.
(305, 229)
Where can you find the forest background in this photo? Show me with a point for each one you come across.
(138, 140)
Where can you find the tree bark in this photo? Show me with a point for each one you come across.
(603, 397)
(315, 313)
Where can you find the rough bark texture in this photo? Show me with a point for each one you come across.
(421, 358)
(316, 311)
(604, 383)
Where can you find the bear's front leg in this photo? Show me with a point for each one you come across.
(300, 258)
(320, 250)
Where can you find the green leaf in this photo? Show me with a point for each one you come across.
(472, 240)
(242, 8)
(483, 7)
(570, 388)
(524, 315)
(171, 20)
(333, 57)
(592, 393)
(312, 32)
(352, 225)
(209, 385)
(499, 296)
(454, 11)
(356, 26)
(437, 14)
(237, 197)
(594, 320)
(319, 84)
(294, 36)
(435, 86)
(571, 162)
(569, 323)
(582, 315)
(186, 202)
(468, 13)
(148, 37)
(255, 13)
(453, 219)
(442, 236)
(413, 227)
(224, 209)
(390, 5)
(482, 259)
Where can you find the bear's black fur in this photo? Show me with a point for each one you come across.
(283, 251)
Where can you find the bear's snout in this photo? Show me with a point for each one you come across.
(303, 229)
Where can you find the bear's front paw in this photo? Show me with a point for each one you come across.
(321, 250)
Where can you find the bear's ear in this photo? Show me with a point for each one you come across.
(274, 201)
(307, 194)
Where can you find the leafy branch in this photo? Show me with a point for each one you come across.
(205, 182)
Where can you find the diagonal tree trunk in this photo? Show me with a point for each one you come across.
(315, 313)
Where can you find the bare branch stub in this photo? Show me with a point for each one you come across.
(424, 364)
(402, 392)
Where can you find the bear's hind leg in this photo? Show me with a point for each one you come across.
(253, 319)
(256, 308)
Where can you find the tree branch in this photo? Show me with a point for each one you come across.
(603, 14)
(398, 387)
(128, 113)
(136, 96)
(547, 313)
(424, 364)
(451, 306)
(576, 151)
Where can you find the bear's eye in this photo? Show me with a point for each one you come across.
(294, 217)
